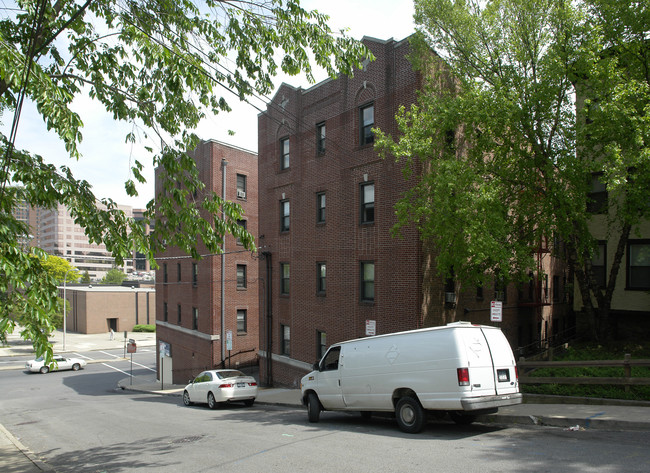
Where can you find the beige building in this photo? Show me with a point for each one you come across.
(97, 309)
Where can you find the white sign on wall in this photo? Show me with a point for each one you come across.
(371, 327)
(496, 311)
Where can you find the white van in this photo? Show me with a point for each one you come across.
(463, 369)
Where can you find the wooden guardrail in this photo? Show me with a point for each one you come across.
(627, 380)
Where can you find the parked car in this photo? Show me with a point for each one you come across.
(462, 369)
(215, 387)
(59, 363)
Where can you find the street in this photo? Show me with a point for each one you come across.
(81, 422)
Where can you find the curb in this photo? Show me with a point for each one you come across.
(31, 456)
(589, 423)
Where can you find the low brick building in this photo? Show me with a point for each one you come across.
(97, 309)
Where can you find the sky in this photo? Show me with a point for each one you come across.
(107, 159)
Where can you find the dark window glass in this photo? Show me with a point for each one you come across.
(320, 207)
(285, 215)
(367, 203)
(367, 281)
(284, 150)
(367, 121)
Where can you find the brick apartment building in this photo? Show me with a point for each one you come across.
(188, 292)
(332, 271)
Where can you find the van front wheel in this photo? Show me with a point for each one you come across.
(313, 407)
(410, 415)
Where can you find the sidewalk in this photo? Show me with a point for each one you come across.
(543, 411)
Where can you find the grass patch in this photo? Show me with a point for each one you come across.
(583, 352)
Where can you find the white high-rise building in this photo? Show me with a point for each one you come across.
(57, 234)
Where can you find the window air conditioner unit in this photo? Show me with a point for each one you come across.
(241, 194)
(450, 297)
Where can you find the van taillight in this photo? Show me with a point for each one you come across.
(517, 372)
(463, 376)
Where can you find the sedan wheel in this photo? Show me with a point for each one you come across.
(186, 399)
(76, 367)
(212, 403)
(44, 369)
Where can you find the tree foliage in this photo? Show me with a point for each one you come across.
(113, 276)
(162, 66)
(535, 98)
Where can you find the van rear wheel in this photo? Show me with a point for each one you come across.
(410, 415)
(313, 407)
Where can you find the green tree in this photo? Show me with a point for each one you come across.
(60, 269)
(85, 277)
(113, 276)
(540, 96)
(162, 66)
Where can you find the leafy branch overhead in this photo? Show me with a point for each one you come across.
(162, 66)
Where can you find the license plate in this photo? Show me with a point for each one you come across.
(503, 375)
(241, 385)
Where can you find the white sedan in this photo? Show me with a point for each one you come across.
(59, 363)
(219, 386)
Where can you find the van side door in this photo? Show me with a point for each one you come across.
(329, 380)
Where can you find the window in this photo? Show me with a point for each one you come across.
(320, 138)
(367, 121)
(331, 360)
(241, 223)
(241, 186)
(284, 151)
(599, 264)
(367, 281)
(321, 343)
(195, 274)
(241, 276)
(367, 203)
(195, 318)
(286, 340)
(178, 270)
(597, 198)
(556, 289)
(178, 319)
(165, 312)
(284, 275)
(285, 214)
(321, 272)
(320, 207)
(164, 272)
(241, 320)
(479, 292)
(638, 264)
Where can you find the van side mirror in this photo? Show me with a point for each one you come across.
(316, 366)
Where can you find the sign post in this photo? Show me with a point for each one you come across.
(229, 345)
(131, 348)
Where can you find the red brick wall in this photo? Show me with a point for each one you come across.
(191, 353)
(342, 242)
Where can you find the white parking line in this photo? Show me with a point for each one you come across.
(109, 354)
(116, 369)
(145, 367)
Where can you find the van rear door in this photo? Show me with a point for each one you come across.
(479, 361)
(505, 374)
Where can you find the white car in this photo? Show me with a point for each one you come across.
(220, 386)
(60, 363)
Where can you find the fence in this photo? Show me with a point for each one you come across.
(627, 380)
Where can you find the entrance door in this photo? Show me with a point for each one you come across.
(112, 324)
